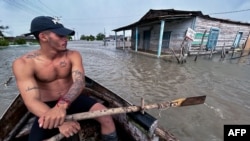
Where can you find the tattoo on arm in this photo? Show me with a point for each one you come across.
(76, 88)
(77, 75)
(31, 88)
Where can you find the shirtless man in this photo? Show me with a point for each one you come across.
(51, 80)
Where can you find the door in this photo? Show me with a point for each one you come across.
(212, 38)
(146, 39)
(237, 39)
(166, 39)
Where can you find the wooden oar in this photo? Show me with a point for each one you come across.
(112, 111)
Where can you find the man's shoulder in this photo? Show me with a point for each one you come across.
(70, 51)
(73, 52)
(26, 58)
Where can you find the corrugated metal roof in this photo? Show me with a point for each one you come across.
(169, 15)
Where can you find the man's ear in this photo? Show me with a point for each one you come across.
(43, 37)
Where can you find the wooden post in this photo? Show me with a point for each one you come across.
(160, 38)
(173, 52)
(246, 50)
(232, 53)
(223, 55)
(182, 55)
(115, 39)
(211, 53)
(181, 50)
(142, 105)
(136, 39)
(123, 39)
(200, 45)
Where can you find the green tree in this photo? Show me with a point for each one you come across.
(69, 37)
(88, 38)
(100, 36)
(20, 41)
(91, 38)
(2, 28)
(83, 37)
(4, 42)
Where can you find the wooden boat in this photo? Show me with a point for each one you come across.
(16, 121)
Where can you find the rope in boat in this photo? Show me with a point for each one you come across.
(161, 108)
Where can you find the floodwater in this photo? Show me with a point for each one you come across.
(226, 83)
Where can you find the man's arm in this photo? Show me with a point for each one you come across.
(78, 80)
(28, 87)
(46, 121)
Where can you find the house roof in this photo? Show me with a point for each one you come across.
(154, 16)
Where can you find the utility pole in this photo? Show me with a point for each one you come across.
(104, 39)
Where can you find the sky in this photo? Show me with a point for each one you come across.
(90, 17)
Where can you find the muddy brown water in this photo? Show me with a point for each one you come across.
(226, 83)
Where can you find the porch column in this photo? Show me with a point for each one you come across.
(136, 39)
(160, 38)
(115, 39)
(123, 39)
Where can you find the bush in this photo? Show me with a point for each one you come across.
(4, 43)
(100, 37)
(20, 41)
(88, 38)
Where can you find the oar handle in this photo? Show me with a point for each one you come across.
(112, 111)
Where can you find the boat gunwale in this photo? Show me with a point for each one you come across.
(121, 118)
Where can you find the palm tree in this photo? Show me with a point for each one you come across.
(2, 28)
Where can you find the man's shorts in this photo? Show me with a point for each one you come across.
(81, 104)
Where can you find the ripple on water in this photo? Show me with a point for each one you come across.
(130, 75)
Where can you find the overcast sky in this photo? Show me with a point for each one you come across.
(90, 17)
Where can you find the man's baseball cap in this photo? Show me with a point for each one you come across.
(43, 23)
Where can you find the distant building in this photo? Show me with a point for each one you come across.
(118, 40)
(160, 30)
(28, 38)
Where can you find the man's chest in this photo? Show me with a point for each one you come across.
(51, 71)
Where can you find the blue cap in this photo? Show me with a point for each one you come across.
(43, 23)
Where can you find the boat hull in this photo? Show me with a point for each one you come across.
(16, 121)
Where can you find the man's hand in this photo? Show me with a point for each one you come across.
(53, 118)
(69, 128)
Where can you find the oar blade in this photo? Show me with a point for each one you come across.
(188, 101)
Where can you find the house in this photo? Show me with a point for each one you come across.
(118, 40)
(163, 31)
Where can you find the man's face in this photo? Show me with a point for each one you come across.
(55, 41)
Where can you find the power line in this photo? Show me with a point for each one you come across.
(33, 5)
(228, 12)
(52, 11)
(30, 7)
(15, 5)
